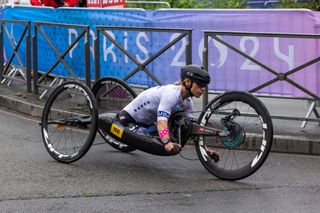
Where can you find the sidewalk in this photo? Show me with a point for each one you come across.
(289, 137)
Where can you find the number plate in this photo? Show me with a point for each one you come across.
(116, 130)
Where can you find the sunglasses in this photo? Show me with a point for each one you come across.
(201, 84)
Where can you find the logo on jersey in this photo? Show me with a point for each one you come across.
(163, 114)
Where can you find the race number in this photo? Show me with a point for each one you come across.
(116, 130)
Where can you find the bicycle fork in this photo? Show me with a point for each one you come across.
(198, 130)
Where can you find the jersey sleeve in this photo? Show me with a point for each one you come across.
(167, 101)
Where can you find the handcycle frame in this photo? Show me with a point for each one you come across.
(232, 135)
(114, 130)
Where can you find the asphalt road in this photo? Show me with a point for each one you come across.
(106, 180)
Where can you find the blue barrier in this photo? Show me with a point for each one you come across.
(228, 70)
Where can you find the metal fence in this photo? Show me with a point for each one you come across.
(60, 56)
(7, 69)
(103, 31)
(40, 76)
(279, 76)
(140, 66)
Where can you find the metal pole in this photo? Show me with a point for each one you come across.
(87, 57)
(205, 66)
(1, 52)
(189, 48)
(35, 60)
(312, 106)
(97, 56)
(28, 57)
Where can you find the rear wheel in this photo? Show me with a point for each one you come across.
(248, 131)
(69, 121)
(112, 95)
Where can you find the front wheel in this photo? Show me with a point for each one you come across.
(246, 139)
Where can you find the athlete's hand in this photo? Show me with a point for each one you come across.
(173, 148)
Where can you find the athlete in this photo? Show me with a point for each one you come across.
(157, 103)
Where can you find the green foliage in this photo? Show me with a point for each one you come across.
(232, 4)
(207, 3)
(147, 6)
(224, 4)
(183, 3)
(308, 4)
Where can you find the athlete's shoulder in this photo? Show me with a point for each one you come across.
(172, 89)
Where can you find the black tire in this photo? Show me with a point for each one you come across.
(69, 121)
(245, 150)
(112, 94)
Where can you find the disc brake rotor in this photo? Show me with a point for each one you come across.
(236, 135)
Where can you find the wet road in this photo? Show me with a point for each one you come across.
(106, 180)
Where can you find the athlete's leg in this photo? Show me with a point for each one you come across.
(125, 118)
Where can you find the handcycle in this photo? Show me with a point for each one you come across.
(237, 124)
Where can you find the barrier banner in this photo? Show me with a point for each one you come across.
(229, 70)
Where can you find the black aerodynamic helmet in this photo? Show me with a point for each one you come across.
(195, 73)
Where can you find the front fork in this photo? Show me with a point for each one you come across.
(198, 130)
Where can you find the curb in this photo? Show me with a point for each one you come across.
(281, 143)
(21, 106)
(295, 145)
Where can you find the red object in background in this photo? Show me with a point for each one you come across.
(106, 3)
(52, 3)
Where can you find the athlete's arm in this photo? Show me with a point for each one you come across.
(162, 126)
(168, 100)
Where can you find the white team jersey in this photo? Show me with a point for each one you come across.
(157, 103)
